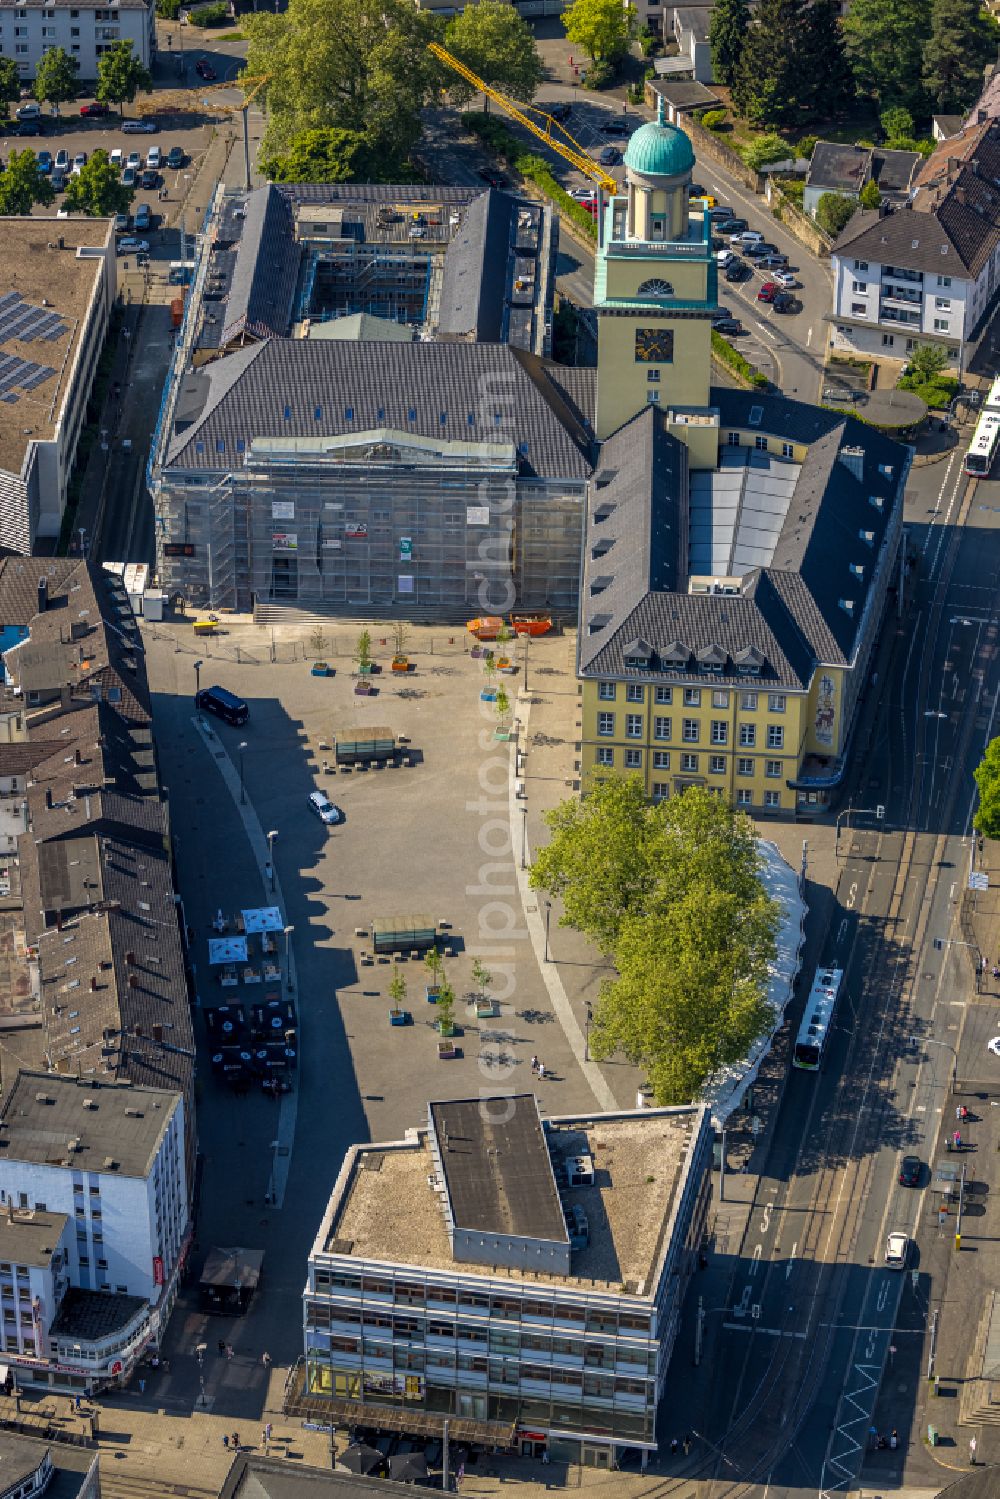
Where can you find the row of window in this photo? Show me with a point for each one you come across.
(905, 275)
(718, 765)
(635, 693)
(404, 1292)
(690, 730)
(744, 797)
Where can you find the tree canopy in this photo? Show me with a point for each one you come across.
(332, 155)
(927, 361)
(121, 75)
(10, 85)
(885, 41)
(870, 195)
(603, 28)
(962, 41)
(357, 65)
(55, 77)
(834, 212)
(97, 189)
(498, 44)
(987, 774)
(22, 185)
(764, 149)
(792, 66)
(726, 35)
(673, 894)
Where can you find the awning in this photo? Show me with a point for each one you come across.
(413, 1422)
(223, 950)
(263, 919)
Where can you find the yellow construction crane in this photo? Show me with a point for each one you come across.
(181, 99)
(568, 148)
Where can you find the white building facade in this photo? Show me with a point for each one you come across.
(34, 1277)
(886, 310)
(28, 28)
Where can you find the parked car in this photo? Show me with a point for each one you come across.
(134, 160)
(724, 256)
(729, 226)
(128, 177)
(615, 126)
(131, 246)
(909, 1171)
(143, 219)
(768, 292)
(205, 70)
(560, 111)
(116, 158)
(584, 194)
(696, 190)
(62, 160)
(44, 162)
(325, 810)
(30, 127)
(94, 110)
(737, 270)
(702, 200)
(774, 261)
(29, 111)
(149, 180)
(723, 214)
(123, 223)
(154, 158)
(175, 158)
(785, 302)
(731, 326)
(750, 237)
(610, 156)
(79, 162)
(786, 278)
(58, 181)
(140, 127)
(897, 1248)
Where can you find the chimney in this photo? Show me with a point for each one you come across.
(48, 796)
(960, 195)
(77, 757)
(854, 460)
(43, 595)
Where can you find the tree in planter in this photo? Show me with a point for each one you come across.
(400, 639)
(445, 1009)
(23, 185)
(317, 641)
(482, 978)
(397, 990)
(927, 361)
(502, 704)
(434, 964)
(363, 650)
(97, 189)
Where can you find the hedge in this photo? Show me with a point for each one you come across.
(723, 350)
(535, 168)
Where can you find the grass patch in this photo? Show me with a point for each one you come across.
(723, 350)
(529, 165)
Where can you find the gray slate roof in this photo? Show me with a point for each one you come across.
(262, 289)
(430, 389)
(837, 168)
(44, 1110)
(474, 281)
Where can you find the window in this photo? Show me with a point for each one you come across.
(662, 727)
(744, 766)
(653, 397)
(652, 377)
(859, 288)
(772, 798)
(858, 309)
(760, 443)
(940, 325)
(605, 755)
(772, 768)
(664, 694)
(861, 265)
(606, 691)
(692, 697)
(744, 797)
(943, 304)
(661, 790)
(775, 736)
(720, 731)
(888, 340)
(633, 759)
(717, 765)
(661, 759)
(787, 450)
(748, 735)
(634, 692)
(633, 726)
(606, 724)
(720, 698)
(689, 763)
(733, 439)
(944, 281)
(690, 730)
(775, 702)
(748, 702)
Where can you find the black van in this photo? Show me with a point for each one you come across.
(223, 704)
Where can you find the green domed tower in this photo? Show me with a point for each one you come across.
(655, 285)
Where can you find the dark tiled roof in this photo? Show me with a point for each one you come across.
(262, 289)
(376, 192)
(430, 389)
(474, 280)
(840, 169)
(894, 171)
(43, 1111)
(91, 1315)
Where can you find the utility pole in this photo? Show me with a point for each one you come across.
(445, 1479)
(961, 1204)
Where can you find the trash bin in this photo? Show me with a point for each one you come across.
(932, 1435)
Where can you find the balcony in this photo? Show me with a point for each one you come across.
(896, 273)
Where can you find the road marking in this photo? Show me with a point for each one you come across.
(791, 1260)
(840, 931)
(852, 896)
(809, 338)
(769, 1332)
(765, 1220)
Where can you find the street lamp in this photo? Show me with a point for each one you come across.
(197, 678)
(243, 789)
(586, 1045)
(946, 1046)
(200, 1351)
(527, 637)
(270, 854)
(548, 914)
(980, 964)
(524, 837)
(877, 812)
(288, 971)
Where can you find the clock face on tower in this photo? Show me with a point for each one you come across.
(654, 345)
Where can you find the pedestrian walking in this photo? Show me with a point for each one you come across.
(534, 1064)
(76, 1403)
(142, 1387)
(221, 1346)
(687, 1444)
(894, 1440)
(225, 1441)
(541, 1069)
(235, 1439)
(674, 1444)
(229, 1351)
(873, 1437)
(267, 1430)
(265, 1359)
(972, 1451)
(263, 1437)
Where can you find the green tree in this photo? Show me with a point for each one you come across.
(769, 88)
(834, 212)
(329, 154)
(168, 10)
(55, 77)
(22, 185)
(481, 977)
(445, 1017)
(359, 65)
(869, 196)
(987, 775)
(498, 44)
(821, 54)
(121, 75)
(10, 86)
(764, 149)
(897, 124)
(397, 990)
(673, 892)
(961, 43)
(885, 43)
(603, 28)
(363, 649)
(726, 36)
(97, 189)
(927, 361)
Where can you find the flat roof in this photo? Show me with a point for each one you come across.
(59, 284)
(119, 1122)
(389, 1211)
(497, 1168)
(30, 1238)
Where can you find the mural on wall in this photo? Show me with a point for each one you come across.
(826, 709)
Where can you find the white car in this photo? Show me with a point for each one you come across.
(79, 162)
(116, 158)
(725, 256)
(994, 1046)
(325, 810)
(29, 111)
(785, 278)
(154, 159)
(132, 246)
(139, 127)
(134, 160)
(583, 194)
(747, 237)
(897, 1247)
